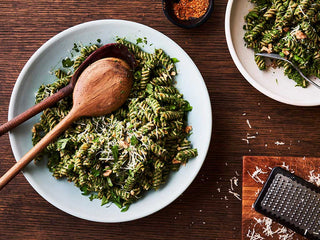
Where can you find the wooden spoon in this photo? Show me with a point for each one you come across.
(108, 50)
(102, 88)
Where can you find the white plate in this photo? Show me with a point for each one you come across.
(65, 195)
(272, 82)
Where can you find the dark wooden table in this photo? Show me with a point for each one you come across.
(206, 210)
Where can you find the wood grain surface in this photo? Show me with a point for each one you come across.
(206, 210)
(256, 170)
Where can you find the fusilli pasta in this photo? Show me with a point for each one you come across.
(289, 28)
(117, 157)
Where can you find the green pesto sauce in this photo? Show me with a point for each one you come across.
(75, 47)
(67, 62)
(142, 40)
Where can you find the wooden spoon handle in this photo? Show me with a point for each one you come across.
(46, 103)
(54, 133)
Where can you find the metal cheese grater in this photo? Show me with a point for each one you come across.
(291, 201)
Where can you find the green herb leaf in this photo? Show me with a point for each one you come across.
(116, 200)
(137, 75)
(125, 208)
(84, 190)
(62, 143)
(70, 166)
(95, 172)
(118, 204)
(109, 182)
(298, 59)
(134, 140)
(187, 107)
(104, 200)
(75, 47)
(67, 62)
(115, 152)
(172, 107)
(93, 196)
(139, 40)
(174, 60)
(149, 88)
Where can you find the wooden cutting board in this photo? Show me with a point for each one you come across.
(256, 170)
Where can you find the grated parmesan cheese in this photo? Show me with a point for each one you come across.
(314, 178)
(279, 143)
(236, 195)
(286, 167)
(255, 175)
(303, 13)
(246, 140)
(252, 235)
(257, 192)
(294, 31)
(267, 226)
(233, 181)
(250, 137)
(249, 123)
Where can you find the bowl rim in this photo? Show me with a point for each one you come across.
(14, 97)
(242, 70)
(185, 23)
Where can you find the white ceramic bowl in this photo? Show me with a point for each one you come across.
(65, 195)
(271, 82)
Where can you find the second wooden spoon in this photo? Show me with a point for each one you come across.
(102, 88)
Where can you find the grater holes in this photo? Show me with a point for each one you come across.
(292, 202)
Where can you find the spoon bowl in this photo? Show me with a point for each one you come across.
(115, 50)
(102, 87)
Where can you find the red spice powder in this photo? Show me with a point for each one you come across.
(187, 9)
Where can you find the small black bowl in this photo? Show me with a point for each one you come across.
(167, 6)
